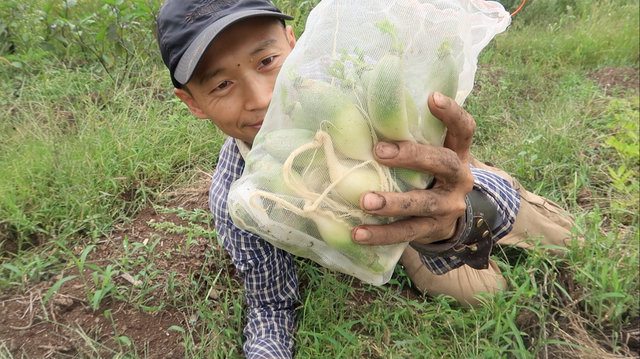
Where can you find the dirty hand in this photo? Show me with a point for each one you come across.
(433, 212)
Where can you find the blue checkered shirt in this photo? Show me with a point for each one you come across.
(271, 284)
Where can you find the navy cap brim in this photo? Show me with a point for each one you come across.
(192, 56)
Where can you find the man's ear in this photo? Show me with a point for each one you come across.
(291, 36)
(191, 103)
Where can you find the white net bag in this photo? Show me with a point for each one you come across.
(361, 73)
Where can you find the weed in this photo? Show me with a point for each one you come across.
(623, 121)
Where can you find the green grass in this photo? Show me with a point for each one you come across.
(91, 134)
(77, 157)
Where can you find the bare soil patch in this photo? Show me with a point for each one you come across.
(614, 79)
(66, 326)
(61, 328)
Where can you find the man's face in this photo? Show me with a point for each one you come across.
(234, 82)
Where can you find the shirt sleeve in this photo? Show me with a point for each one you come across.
(507, 202)
(270, 281)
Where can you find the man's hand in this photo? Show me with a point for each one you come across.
(434, 211)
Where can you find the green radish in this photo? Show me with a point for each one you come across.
(387, 100)
(414, 179)
(301, 119)
(247, 221)
(413, 116)
(268, 173)
(386, 93)
(349, 181)
(352, 182)
(343, 121)
(280, 144)
(253, 156)
(443, 77)
(397, 118)
(284, 216)
(413, 119)
(362, 89)
(337, 234)
(365, 80)
(316, 178)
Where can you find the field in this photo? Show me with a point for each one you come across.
(107, 247)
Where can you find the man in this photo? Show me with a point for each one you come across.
(224, 57)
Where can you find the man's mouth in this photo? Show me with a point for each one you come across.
(257, 126)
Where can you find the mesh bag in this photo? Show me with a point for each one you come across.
(360, 73)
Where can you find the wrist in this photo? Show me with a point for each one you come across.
(473, 238)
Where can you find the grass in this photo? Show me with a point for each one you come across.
(92, 135)
(74, 153)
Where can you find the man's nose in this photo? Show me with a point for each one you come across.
(259, 93)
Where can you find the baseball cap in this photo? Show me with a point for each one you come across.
(186, 28)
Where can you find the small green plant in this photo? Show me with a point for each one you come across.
(124, 343)
(55, 287)
(623, 122)
(103, 284)
(199, 224)
(611, 282)
(25, 270)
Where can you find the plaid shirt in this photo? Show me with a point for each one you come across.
(271, 284)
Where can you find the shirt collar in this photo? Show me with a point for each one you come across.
(243, 147)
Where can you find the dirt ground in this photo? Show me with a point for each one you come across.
(61, 328)
(613, 79)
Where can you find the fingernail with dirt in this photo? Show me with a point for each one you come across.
(386, 150)
(439, 100)
(361, 235)
(373, 202)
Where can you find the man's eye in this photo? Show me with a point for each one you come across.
(223, 85)
(267, 61)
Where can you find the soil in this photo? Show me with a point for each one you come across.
(30, 331)
(614, 79)
(59, 329)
